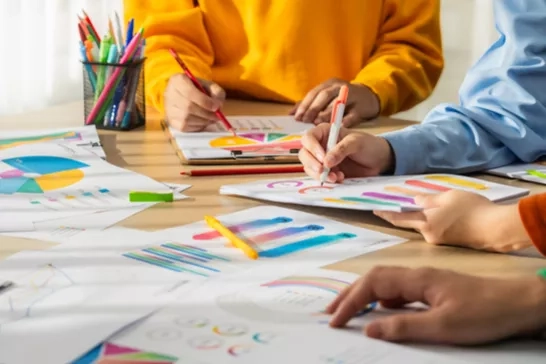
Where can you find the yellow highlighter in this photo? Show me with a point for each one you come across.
(234, 239)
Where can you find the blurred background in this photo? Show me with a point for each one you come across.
(39, 66)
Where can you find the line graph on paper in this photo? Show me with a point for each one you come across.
(31, 293)
(279, 236)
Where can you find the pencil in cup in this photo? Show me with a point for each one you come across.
(124, 107)
(130, 55)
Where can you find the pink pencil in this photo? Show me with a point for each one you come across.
(129, 52)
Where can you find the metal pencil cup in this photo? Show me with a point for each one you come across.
(114, 95)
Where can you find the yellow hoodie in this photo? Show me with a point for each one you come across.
(278, 50)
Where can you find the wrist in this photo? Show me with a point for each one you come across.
(503, 225)
(388, 160)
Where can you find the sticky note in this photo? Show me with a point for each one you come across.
(140, 196)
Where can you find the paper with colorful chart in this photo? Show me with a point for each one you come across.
(61, 312)
(224, 320)
(195, 253)
(532, 172)
(85, 137)
(48, 181)
(374, 193)
(256, 136)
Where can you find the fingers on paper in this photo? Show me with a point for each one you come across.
(396, 285)
(407, 220)
(424, 326)
(316, 101)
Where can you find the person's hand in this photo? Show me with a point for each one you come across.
(464, 219)
(463, 309)
(187, 108)
(316, 107)
(355, 155)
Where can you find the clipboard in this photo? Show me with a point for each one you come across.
(237, 157)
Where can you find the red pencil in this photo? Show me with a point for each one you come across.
(237, 171)
(196, 83)
(88, 21)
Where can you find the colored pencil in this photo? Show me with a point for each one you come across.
(241, 171)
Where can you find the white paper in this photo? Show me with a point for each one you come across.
(48, 181)
(85, 137)
(519, 171)
(226, 319)
(374, 193)
(256, 136)
(60, 306)
(177, 190)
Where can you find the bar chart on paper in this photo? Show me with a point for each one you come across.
(182, 258)
(374, 193)
(280, 236)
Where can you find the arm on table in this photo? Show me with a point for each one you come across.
(500, 119)
(408, 60)
(171, 24)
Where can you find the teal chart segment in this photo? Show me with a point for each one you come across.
(39, 174)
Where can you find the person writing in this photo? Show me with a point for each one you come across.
(388, 52)
(499, 121)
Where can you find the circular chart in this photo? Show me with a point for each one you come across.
(39, 174)
(258, 142)
(294, 299)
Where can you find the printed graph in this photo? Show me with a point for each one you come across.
(294, 299)
(39, 174)
(31, 291)
(281, 241)
(14, 142)
(108, 353)
(259, 142)
(404, 194)
(78, 198)
(180, 258)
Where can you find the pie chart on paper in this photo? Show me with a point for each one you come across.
(39, 174)
(262, 142)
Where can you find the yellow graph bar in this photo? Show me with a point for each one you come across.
(458, 182)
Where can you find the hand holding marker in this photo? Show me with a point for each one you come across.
(335, 125)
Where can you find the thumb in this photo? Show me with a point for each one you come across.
(411, 327)
(342, 150)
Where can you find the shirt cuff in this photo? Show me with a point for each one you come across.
(408, 147)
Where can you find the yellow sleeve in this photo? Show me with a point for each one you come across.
(408, 61)
(170, 24)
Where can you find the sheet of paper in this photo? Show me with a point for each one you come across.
(61, 306)
(224, 320)
(177, 190)
(195, 253)
(66, 229)
(85, 137)
(256, 135)
(374, 193)
(519, 171)
(47, 181)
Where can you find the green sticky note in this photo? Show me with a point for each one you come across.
(542, 272)
(140, 196)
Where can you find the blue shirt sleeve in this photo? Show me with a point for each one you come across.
(501, 118)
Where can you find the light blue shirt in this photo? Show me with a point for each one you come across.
(501, 118)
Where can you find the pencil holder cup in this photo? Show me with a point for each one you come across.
(114, 95)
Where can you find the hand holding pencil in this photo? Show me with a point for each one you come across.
(192, 104)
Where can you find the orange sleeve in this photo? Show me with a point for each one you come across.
(170, 24)
(532, 210)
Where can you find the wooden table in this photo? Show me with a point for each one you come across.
(148, 151)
